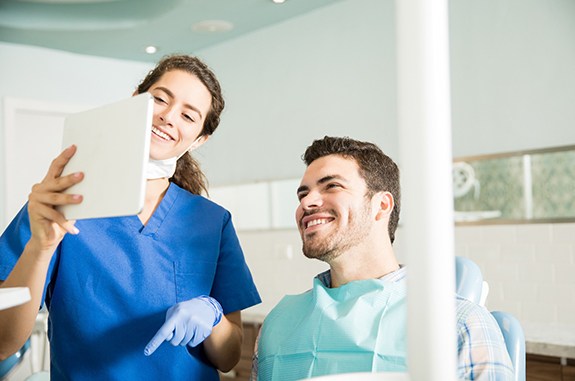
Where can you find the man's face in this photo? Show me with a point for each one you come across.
(334, 214)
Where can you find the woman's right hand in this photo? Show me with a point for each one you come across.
(48, 225)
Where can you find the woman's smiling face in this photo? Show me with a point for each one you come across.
(181, 104)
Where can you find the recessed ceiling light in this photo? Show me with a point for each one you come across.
(279, 1)
(151, 49)
(212, 26)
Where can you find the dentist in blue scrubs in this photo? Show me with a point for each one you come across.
(148, 297)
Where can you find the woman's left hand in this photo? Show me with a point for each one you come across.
(187, 323)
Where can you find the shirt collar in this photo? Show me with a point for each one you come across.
(394, 276)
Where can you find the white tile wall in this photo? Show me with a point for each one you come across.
(277, 265)
(530, 268)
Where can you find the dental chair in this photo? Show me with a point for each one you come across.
(470, 285)
(469, 282)
(514, 341)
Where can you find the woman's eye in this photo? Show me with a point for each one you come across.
(188, 118)
(159, 100)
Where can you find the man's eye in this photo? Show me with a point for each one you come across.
(301, 195)
(332, 185)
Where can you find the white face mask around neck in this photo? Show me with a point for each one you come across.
(158, 169)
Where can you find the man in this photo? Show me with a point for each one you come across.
(354, 317)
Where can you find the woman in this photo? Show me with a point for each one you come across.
(117, 288)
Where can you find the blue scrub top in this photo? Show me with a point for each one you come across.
(108, 288)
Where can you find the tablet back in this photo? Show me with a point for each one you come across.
(113, 147)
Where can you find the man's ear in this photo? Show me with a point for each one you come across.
(385, 204)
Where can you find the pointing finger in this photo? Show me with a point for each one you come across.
(163, 334)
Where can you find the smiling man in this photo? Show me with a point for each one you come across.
(354, 317)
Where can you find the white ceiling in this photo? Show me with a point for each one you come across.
(122, 29)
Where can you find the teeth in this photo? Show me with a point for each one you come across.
(316, 222)
(161, 134)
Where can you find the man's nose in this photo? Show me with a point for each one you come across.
(311, 200)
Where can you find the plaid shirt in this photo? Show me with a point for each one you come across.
(482, 354)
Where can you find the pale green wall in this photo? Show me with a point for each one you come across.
(512, 74)
(333, 72)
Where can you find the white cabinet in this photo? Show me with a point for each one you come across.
(260, 206)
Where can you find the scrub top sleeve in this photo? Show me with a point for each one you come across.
(13, 240)
(12, 243)
(233, 284)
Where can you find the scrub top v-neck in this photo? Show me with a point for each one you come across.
(158, 216)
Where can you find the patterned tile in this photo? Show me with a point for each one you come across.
(499, 186)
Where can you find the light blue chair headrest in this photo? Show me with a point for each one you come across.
(469, 281)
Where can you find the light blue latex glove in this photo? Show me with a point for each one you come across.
(187, 323)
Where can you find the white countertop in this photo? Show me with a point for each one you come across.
(13, 296)
(550, 339)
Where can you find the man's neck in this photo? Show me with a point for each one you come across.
(361, 265)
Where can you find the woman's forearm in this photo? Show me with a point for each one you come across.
(223, 347)
(17, 323)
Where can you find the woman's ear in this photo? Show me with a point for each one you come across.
(199, 142)
(384, 205)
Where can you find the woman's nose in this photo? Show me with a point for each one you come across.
(166, 115)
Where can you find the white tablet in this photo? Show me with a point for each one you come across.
(113, 147)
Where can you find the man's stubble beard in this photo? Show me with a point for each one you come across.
(337, 242)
